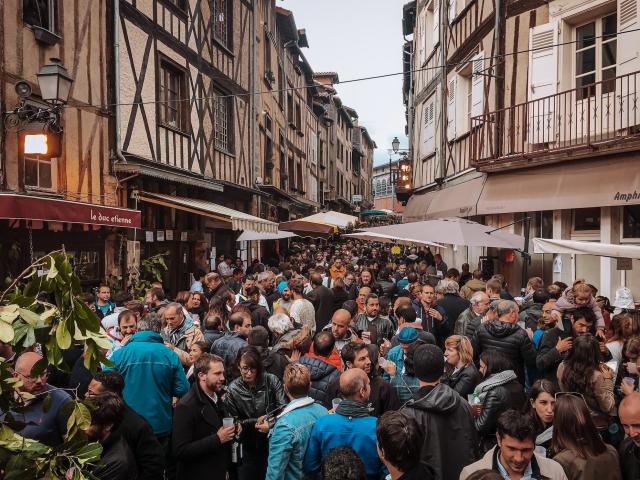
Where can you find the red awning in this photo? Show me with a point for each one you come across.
(23, 207)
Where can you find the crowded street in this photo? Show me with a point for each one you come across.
(320, 240)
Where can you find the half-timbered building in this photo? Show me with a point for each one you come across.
(534, 127)
(68, 201)
(185, 141)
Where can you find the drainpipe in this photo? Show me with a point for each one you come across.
(411, 110)
(444, 26)
(254, 114)
(116, 71)
(499, 43)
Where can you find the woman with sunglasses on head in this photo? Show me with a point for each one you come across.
(250, 397)
(541, 408)
(576, 444)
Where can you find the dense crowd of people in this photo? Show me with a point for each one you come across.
(350, 362)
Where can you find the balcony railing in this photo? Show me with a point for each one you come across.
(587, 121)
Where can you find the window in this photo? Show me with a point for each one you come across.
(298, 117)
(290, 109)
(281, 87)
(222, 123)
(292, 174)
(586, 219)
(299, 182)
(596, 46)
(173, 109)
(268, 144)
(268, 73)
(222, 22)
(631, 221)
(38, 173)
(40, 13)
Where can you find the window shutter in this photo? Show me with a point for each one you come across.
(436, 22)
(628, 43)
(627, 56)
(451, 109)
(428, 126)
(452, 10)
(477, 85)
(542, 82)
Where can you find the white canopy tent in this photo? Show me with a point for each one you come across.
(454, 231)
(249, 235)
(340, 220)
(547, 245)
(379, 237)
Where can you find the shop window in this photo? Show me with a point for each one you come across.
(40, 13)
(38, 173)
(586, 219)
(174, 107)
(546, 224)
(631, 222)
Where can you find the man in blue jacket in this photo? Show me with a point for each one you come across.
(290, 436)
(153, 375)
(351, 425)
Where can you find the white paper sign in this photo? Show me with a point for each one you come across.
(160, 235)
(168, 235)
(183, 236)
(557, 264)
(148, 236)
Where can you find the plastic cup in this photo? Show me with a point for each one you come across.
(629, 381)
(335, 402)
(227, 422)
(470, 398)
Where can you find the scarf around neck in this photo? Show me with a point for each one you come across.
(176, 335)
(493, 381)
(353, 408)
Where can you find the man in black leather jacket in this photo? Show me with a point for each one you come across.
(629, 412)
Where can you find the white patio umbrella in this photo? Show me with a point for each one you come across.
(549, 245)
(248, 235)
(331, 217)
(379, 237)
(454, 231)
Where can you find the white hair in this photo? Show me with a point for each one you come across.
(477, 297)
(280, 323)
(450, 286)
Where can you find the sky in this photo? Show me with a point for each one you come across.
(359, 38)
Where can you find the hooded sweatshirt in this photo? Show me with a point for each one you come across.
(446, 422)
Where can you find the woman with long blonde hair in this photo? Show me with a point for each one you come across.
(459, 371)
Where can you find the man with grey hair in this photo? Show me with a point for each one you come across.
(452, 303)
(505, 335)
(477, 309)
(180, 332)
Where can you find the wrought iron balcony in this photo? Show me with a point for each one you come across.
(597, 119)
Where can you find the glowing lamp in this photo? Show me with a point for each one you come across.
(36, 144)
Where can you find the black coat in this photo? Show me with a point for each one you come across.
(463, 381)
(340, 295)
(629, 460)
(259, 314)
(496, 401)
(196, 447)
(421, 471)
(508, 339)
(446, 424)
(472, 326)
(548, 358)
(453, 305)
(322, 299)
(116, 462)
(322, 374)
(383, 397)
(147, 451)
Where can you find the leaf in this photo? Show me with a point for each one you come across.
(39, 367)
(28, 316)
(48, 313)
(101, 339)
(53, 271)
(63, 337)
(9, 313)
(91, 451)
(6, 332)
(83, 416)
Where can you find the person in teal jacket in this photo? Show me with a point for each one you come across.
(404, 383)
(350, 425)
(152, 374)
(289, 437)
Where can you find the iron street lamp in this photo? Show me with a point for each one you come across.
(55, 82)
(395, 145)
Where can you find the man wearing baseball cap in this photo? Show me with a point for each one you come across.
(443, 416)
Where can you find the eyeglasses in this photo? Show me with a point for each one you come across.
(32, 378)
(248, 369)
